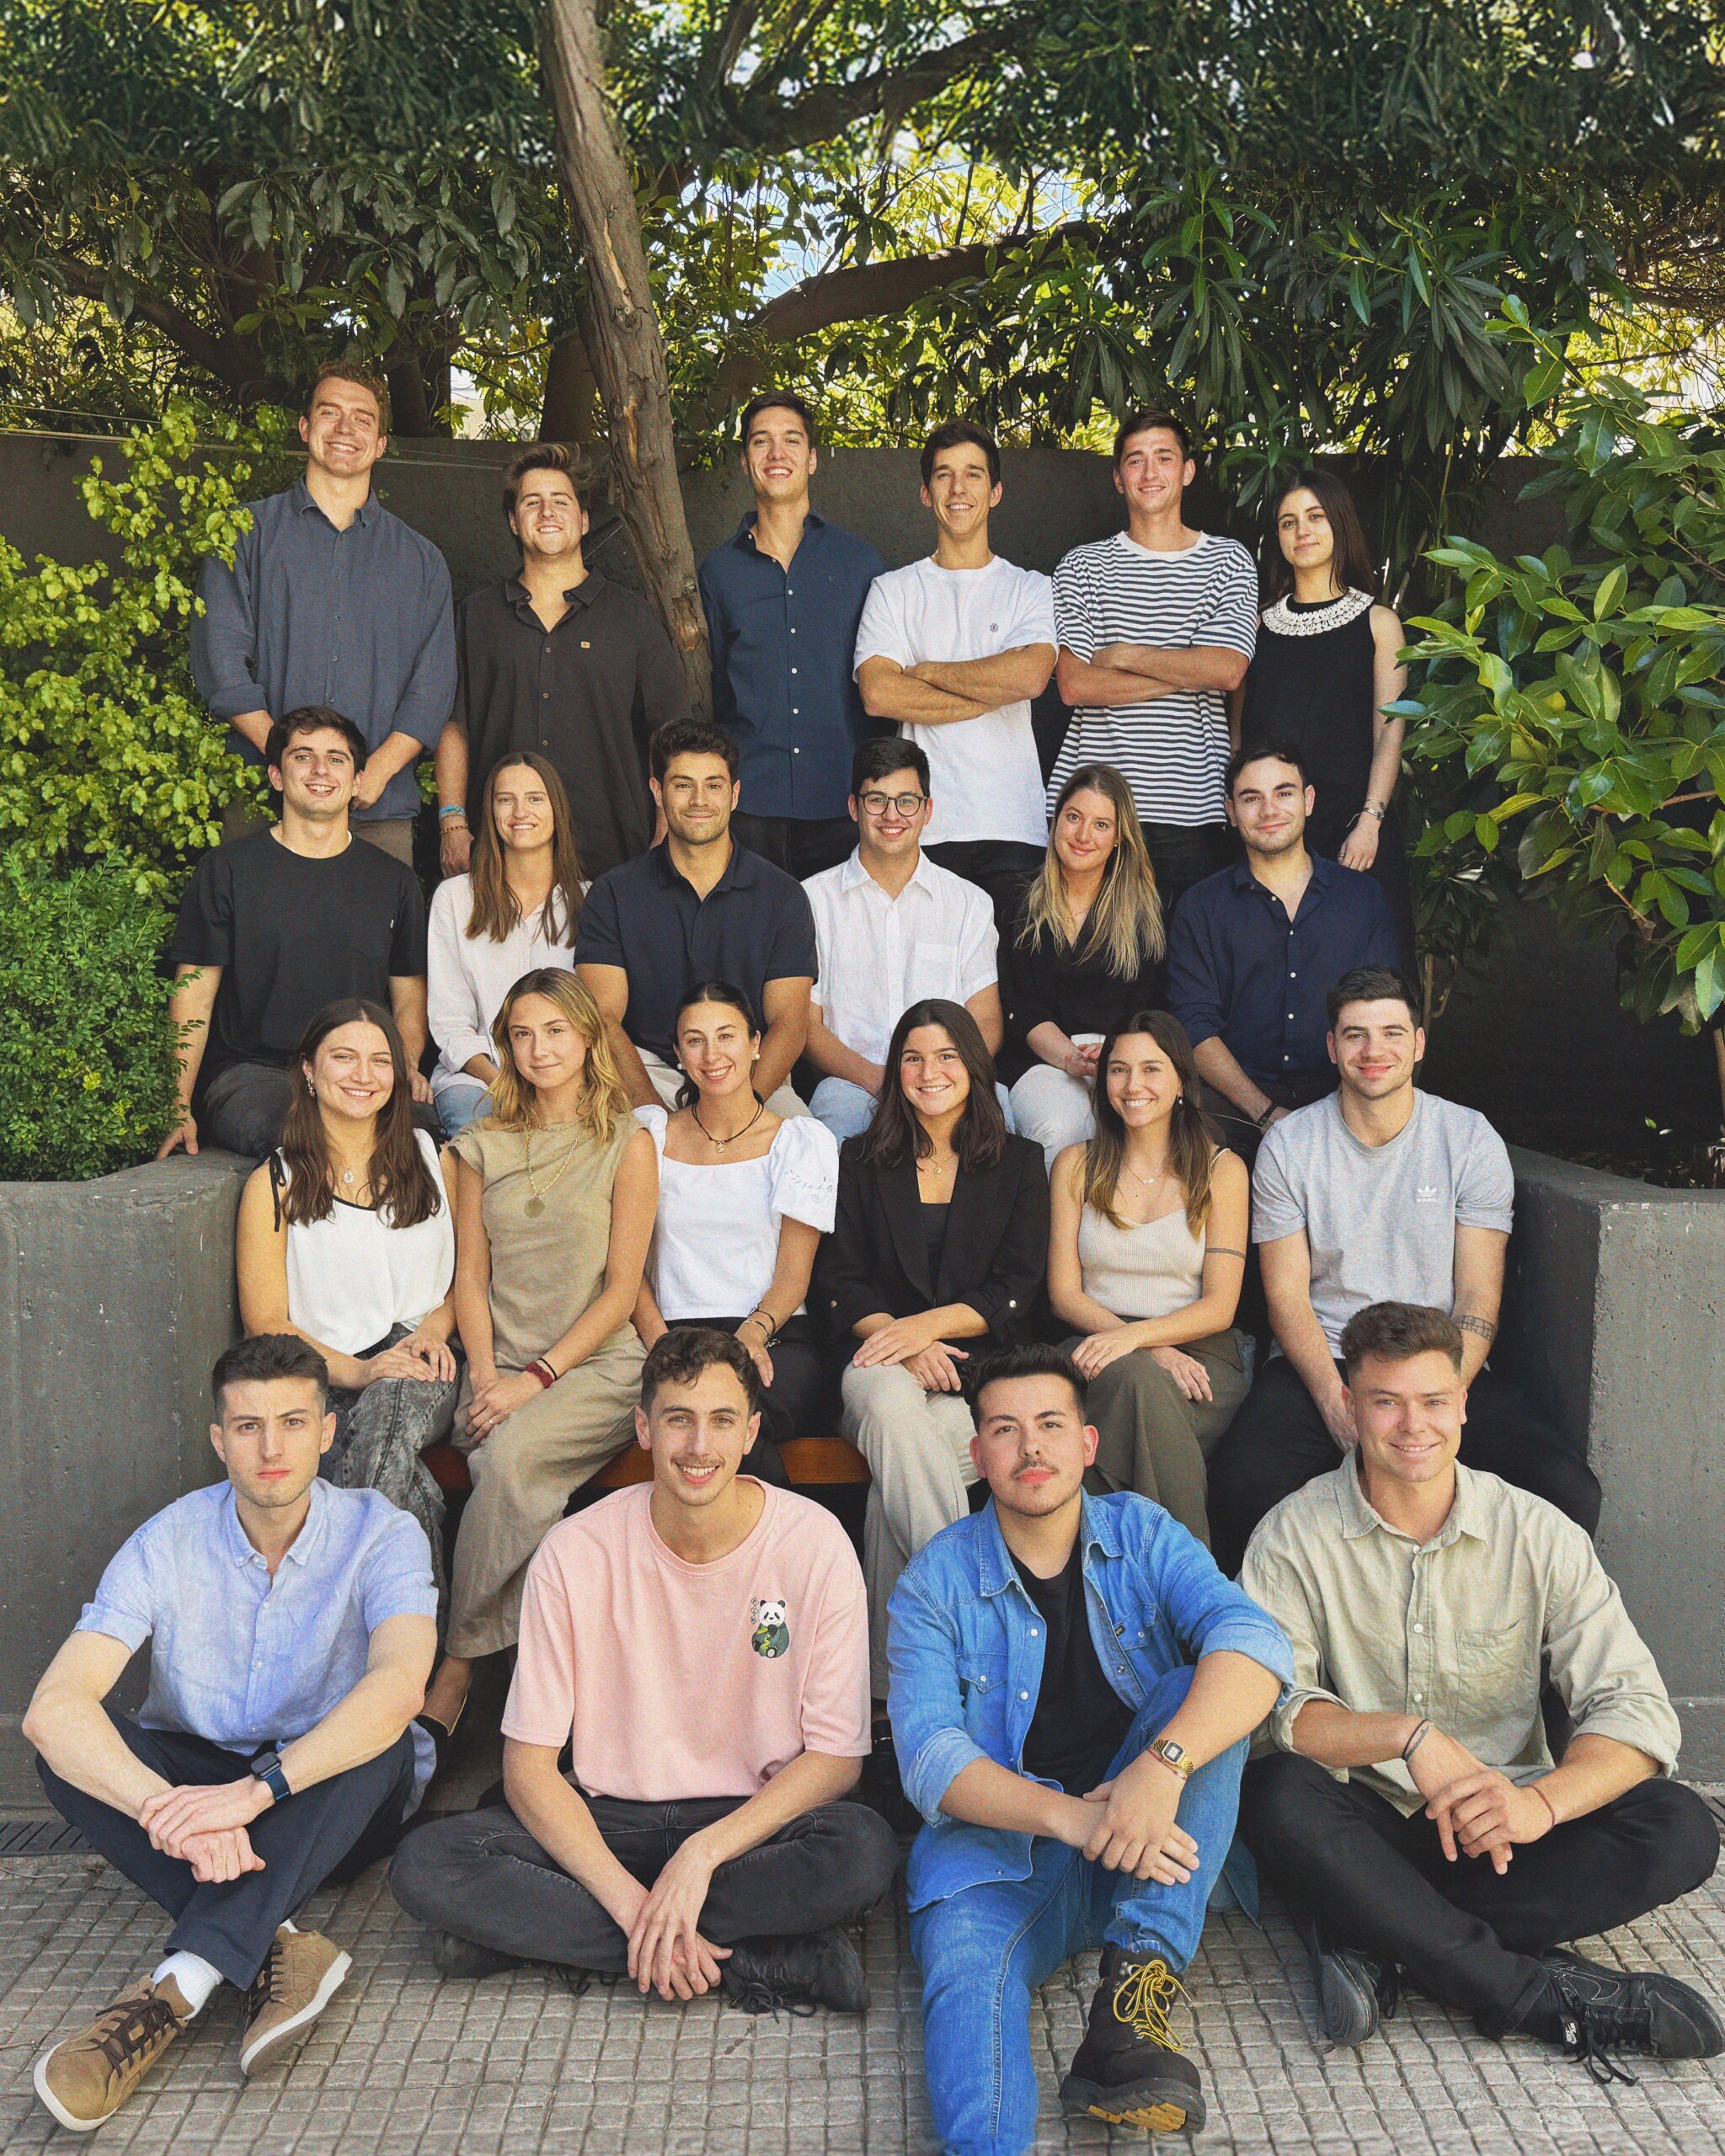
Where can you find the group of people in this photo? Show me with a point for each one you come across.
(1064, 1141)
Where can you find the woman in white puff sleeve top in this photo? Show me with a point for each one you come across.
(745, 1196)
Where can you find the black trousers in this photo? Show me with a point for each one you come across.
(1184, 854)
(245, 1105)
(1000, 867)
(483, 1876)
(802, 845)
(1279, 1441)
(325, 1835)
(1462, 1933)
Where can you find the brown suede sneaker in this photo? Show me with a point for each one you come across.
(86, 2078)
(302, 1973)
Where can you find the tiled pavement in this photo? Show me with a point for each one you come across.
(408, 2065)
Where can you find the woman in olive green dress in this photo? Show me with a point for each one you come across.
(554, 1202)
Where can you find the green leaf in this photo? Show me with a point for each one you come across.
(1612, 586)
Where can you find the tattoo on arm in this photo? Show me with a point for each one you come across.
(1485, 1328)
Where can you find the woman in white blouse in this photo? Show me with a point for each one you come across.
(513, 912)
(346, 1237)
(745, 1196)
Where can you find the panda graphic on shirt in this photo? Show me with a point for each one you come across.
(771, 1635)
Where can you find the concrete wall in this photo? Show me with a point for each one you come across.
(116, 1298)
(1615, 1319)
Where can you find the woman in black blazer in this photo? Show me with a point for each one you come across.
(941, 1238)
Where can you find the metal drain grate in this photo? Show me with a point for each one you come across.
(38, 1838)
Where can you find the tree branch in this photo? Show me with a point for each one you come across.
(235, 361)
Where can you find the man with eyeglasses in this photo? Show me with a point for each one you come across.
(891, 928)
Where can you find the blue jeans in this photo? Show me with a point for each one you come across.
(460, 1101)
(984, 1951)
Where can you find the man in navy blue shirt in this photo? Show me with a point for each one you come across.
(1254, 950)
(784, 598)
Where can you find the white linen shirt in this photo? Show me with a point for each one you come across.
(467, 977)
(878, 955)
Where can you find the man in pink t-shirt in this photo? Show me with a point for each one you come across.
(701, 1644)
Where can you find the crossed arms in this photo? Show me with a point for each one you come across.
(1140, 673)
(940, 692)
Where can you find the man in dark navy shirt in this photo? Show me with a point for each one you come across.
(783, 599)
(1254, 950)
(697, 907)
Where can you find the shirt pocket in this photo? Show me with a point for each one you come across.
(930, 970)
(982, 1693)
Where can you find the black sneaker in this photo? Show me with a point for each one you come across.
(1130, 2069)
(1601, 2011)
(813, 1969)
(460, 1957)
(1355, 1991)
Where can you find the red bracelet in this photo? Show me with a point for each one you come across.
(540, 1368)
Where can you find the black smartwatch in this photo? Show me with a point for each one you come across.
(268, 1770)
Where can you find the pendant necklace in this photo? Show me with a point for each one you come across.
(535, 1204)
(759, 1110)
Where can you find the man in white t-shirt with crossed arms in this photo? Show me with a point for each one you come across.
(954, 646)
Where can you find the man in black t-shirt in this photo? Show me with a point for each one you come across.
(273, 926)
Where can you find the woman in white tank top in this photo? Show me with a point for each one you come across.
(346, 1237)
(1146, 1253)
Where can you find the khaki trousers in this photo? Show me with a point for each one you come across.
(1152, 1439)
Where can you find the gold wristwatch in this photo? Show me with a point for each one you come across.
(1172, 1756)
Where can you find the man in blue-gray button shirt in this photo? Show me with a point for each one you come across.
(784, 598)
(332, 600)
(292, 1627)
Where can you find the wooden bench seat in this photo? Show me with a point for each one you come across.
(811, 1463)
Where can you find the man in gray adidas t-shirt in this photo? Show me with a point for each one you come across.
(1378, 1194)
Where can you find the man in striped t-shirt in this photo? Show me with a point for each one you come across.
(1157, 625)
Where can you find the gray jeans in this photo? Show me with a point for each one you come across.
(380, 1435)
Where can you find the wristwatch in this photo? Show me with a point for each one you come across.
(1173, 1756)
(268, 1770)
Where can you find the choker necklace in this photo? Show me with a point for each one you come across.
(759, 1110)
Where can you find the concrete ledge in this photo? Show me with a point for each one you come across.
(1615, 1319)
(115, 1297)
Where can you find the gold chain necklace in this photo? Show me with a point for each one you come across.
(535, 1204)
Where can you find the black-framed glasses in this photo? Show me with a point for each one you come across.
(907, 804)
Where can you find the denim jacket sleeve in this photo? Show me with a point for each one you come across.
(923, 1698)
(1210, 1614)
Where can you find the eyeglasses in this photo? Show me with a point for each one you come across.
(907, 804)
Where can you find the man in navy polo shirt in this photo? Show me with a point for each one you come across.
(783, 599)
(697, 907)
(1254, 951)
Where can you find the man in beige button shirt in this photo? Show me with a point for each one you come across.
(1410, 1811)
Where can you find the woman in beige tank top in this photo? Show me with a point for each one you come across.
(1146, 1253)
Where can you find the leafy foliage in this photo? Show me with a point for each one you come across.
(88, 1055)
(1579, 702)
(106, 752)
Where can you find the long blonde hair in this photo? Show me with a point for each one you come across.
(602, 1104)
(1124, 924)
(1193, 1141)
(496, 909)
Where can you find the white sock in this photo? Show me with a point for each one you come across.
(287, 1924)
(193, 1975)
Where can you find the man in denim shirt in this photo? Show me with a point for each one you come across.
(1096, 1808)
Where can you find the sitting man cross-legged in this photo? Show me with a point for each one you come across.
(1077, 1774)
(703, 1639)
(1378, 1192)
(1412, 1816)
(292, 1628)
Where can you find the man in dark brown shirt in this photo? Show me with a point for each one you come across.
(563, 660)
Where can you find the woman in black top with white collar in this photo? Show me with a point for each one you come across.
(1328, 665)
(939, 1248)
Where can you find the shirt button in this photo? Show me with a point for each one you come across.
(1034, 1634)
(793, 669)
(1417, 1697)
(1419, 1628)
(1023, 1695)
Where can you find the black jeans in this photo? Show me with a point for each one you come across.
(1000, 867)
(481, 1875)
(1463, 1935)
(245, 1104)
(1184, 854)
(802, 845)
(1279, 1441)
(326, 1833)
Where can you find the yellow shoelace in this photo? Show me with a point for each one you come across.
(1145, 1998)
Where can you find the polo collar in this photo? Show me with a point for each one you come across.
(741, 871)
(1468, 1515)
(1324, 872)
(1099, 1529)
(577, 594)
(366, 513)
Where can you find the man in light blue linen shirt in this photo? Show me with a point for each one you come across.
(292, 1626)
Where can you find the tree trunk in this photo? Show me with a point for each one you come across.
(625, 347)
(570, 411)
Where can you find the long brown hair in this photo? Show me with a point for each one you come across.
(1124, 923)
(1351, 566)
(1193, 1139)
(603, 1103)
(733, 999)
(403, 1187)
(496, 909)
(895, 1135)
